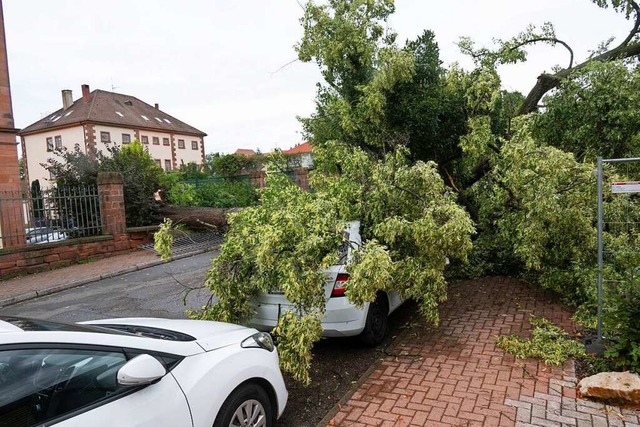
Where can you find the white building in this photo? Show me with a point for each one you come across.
(300, 156)
(100, 117)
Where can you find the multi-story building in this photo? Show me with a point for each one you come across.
(300, 156)
(100, 117)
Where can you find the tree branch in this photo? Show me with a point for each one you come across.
(547, 39)
(546, 82)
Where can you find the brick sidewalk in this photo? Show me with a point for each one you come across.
(33, 285)
(455, 375)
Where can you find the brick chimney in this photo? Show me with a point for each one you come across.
(67, 98)
(157, 106)
(85, 93)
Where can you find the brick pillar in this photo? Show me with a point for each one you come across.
(11, 212)
(111, 196)
(302, 178)
(257, 179)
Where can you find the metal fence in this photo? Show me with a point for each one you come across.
(618, 233)
(51, 215)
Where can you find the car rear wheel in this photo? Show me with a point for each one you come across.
(375, 327)
(247, 406)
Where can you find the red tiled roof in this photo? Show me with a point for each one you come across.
(299, 149)
(103, 107)
(245, 152)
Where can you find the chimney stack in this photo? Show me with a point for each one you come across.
(67, 98)
(85, 93)
(157, 106)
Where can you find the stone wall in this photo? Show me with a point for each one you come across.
(116, 239)
(37, 258)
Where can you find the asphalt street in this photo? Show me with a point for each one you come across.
(153, 292)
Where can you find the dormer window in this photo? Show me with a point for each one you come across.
(129, 103)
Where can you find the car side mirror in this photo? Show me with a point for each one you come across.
(141, 370)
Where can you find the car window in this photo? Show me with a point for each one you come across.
(343, 250)
(38, 385)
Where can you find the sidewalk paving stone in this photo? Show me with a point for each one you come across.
(454, 375)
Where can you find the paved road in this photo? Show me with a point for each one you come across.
(151, 292)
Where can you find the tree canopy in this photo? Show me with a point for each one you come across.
(140, 173)
(427, 158)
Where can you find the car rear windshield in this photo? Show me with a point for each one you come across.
(35, 325)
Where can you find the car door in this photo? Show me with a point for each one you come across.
(77, 386)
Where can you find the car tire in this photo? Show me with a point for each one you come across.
(247, 397)
(375, 327)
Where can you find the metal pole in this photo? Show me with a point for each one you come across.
(600, 246)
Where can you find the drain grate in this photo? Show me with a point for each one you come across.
(193, 242)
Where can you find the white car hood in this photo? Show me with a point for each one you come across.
(209, 335)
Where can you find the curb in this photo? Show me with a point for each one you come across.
(5, 302)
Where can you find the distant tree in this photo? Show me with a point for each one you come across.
(23, 175)
(514, 50)
(230, 165)
(73, 167)
(192, 170)
(141, 180)
(37, 201)
(140, 172)
(376, 94)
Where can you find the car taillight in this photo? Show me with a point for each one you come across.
(339, 289)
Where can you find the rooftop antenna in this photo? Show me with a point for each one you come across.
(113, 88)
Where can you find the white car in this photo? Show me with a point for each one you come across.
(137, 372)
(38, 235)
(342, 318)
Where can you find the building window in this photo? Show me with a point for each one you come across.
(58, 142)
(194, 145)
(52, 175)
(158, 162)
(145, 139)
(105, 137)
(126, 138)
(167, 165)
(181, 143)
(165, 141)
(49, 144)
(156, 140)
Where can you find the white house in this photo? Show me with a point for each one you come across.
(300, 156)
(100, 117)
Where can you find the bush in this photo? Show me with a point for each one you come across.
(212, 193)
(225, 194)
(622, 324)
(141, 181)
(140, 173)
(183, 194)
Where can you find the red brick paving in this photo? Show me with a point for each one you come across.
(456, 376)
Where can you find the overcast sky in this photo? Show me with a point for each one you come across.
(215, 64)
